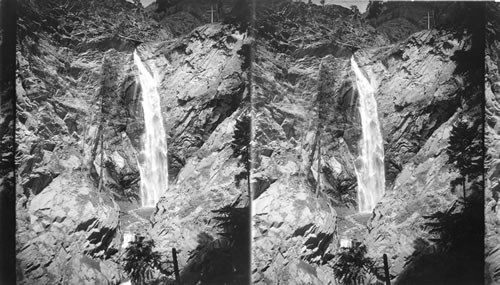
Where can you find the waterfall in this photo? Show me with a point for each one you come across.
(153, 166)
(369, 165)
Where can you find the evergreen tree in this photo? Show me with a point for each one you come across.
(141, 261)
(465, 151)
(241, 148)
(352, 266)
(456, 254)
(225, 259)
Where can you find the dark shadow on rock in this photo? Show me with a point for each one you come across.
(456, 255)
(226, 258)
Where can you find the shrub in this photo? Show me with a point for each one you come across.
(353, 267)
(142, 264)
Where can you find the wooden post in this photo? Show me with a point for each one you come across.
(212, 13)
(176, 267)
(428, 20)
(318, 185)
(386, 270)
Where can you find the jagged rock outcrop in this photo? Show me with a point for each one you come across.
(75, 89)
(302, 30)
(399, 20)
(68, 234)
(285, 123)
(425, 84)
(184, 16)
(80, 121)
(292, 232)
(203, 87)
(201, 83)
(424, 93)
(295, 227)
(419, 96)
(80, 124)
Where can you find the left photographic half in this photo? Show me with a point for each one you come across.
(133, 138)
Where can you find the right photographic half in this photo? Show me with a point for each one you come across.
(368, 152)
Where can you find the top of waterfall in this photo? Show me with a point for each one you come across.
(143, 68)
(362, 76)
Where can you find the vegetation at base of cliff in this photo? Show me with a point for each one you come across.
(455, 255)
(144, 265)
(352, 267)
(455, 252)
(225, 260)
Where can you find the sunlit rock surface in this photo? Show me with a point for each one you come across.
(68, 231)
(305, 121)
(420, 96)
(294, 223)
(422, 89)
(203, 91)
(67, 234)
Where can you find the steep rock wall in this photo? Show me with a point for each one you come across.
(203, 87)
(294, 223)
(74, 73)
(424, 94)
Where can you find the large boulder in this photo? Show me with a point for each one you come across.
(293, 231)
(69, 232)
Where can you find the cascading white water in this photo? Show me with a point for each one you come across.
(370, 164)
(153, 166)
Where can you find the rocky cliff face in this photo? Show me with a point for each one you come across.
(80, 124)
(79, 128)
(398, 20)
(305, 104)
(294, 222)
(74, 71)
(203, 88)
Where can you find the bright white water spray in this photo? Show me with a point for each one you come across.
(153, 158)
(370, 164)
